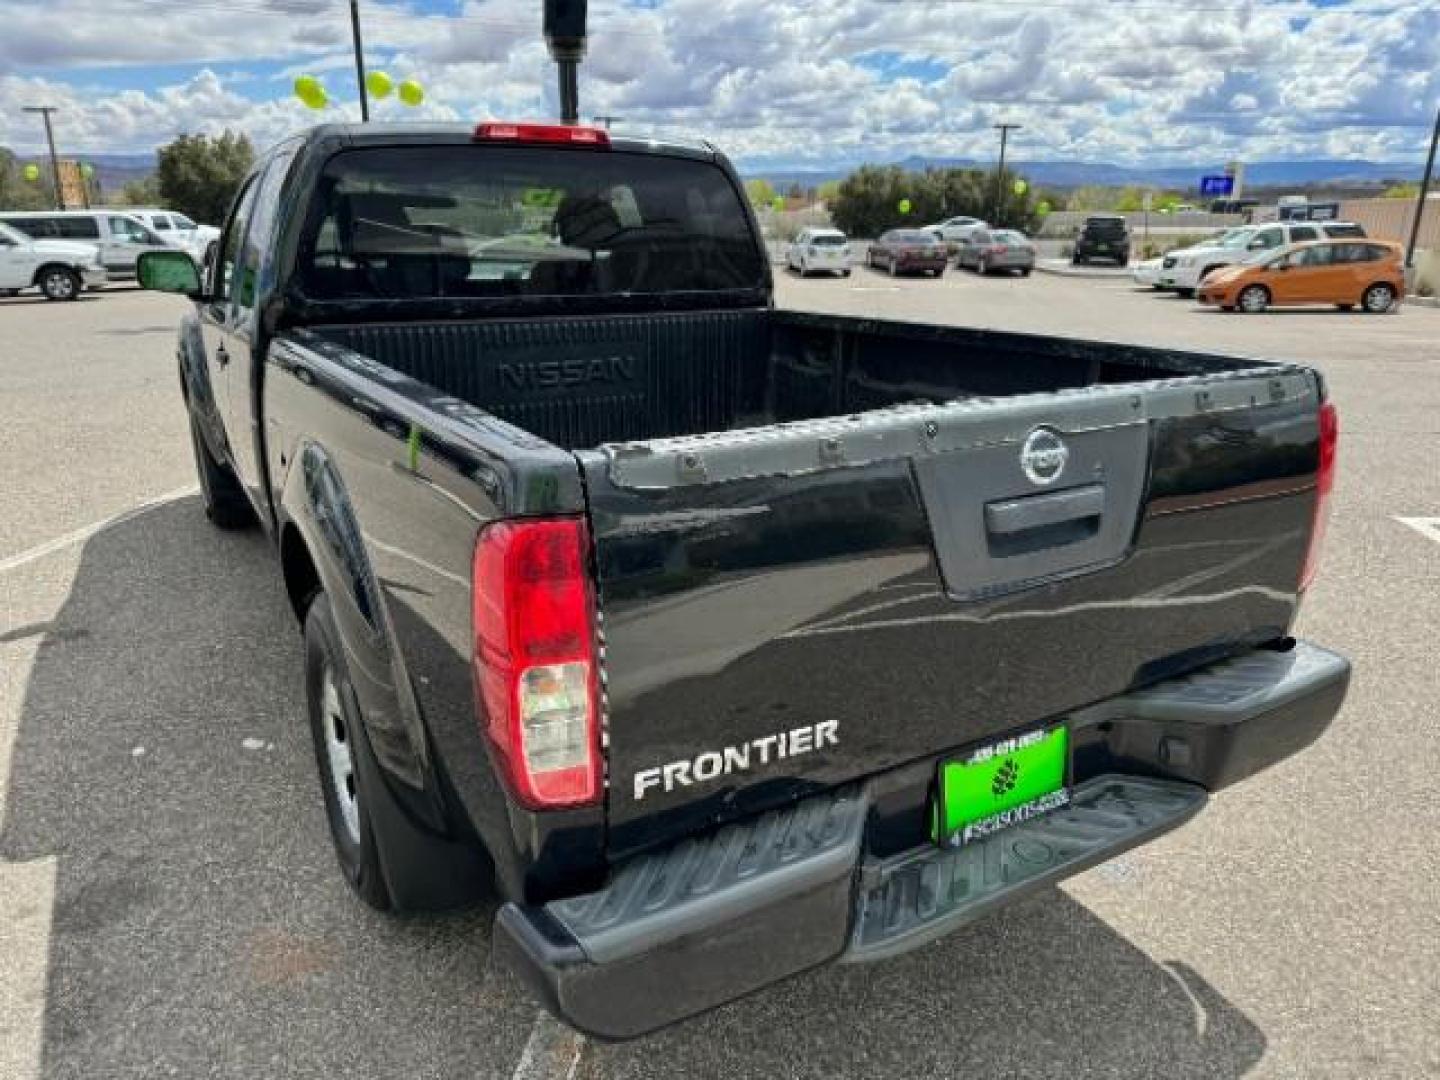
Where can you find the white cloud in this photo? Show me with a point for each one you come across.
(798, 81)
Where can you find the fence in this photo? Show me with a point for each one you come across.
(1392, 219)
(1066, 223)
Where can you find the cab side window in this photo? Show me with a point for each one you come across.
(130, 231)
(1266, 239)
(223, 270)
(264, 199)
(1304, 232)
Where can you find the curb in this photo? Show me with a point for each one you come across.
(1422, 301)
(1113, 273)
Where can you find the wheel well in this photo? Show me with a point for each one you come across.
(302, 581)
(1263, 288)
(40, 270)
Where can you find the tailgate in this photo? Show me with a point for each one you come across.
(791, 607)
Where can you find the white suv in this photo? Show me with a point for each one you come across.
(58, 268)
(820, 249)
(1184, 270)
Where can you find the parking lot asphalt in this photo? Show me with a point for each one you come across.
(169, 905)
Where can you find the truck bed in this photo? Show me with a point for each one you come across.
(817, 529)
(586, 382)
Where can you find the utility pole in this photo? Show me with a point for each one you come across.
(1004, 130)
(1424, 191)
(606, 120)
(45, 111)
(359, 59)
(565, 36)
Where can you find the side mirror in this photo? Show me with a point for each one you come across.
(168, 271)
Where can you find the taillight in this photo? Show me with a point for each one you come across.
(1324, 485)
(535, 663)
(572, 134)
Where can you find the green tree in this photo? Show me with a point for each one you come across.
(1404, 190)
(761, 192)
(199, 175)
(17, 193)
(828, 191)
(144, 192)
(868, 200)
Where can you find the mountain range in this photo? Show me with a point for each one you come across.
(1072, 174)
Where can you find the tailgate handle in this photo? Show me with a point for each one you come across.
(1009, 516)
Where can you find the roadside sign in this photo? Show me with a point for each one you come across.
(1217, 185)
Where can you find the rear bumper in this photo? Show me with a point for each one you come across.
(700, 924)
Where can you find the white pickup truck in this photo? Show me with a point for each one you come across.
(1184, 270)
(61, 269)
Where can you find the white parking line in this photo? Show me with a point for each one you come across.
(551, 1053)
(1425, 526)
(80, 535)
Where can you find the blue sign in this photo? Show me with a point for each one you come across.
(1217, 185)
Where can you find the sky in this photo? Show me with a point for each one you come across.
(776, 83)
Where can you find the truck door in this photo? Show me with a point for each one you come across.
(240, 334)
(215, 320)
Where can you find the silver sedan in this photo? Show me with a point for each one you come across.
(988, 250)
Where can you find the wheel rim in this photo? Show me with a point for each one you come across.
(339, 756)
(1252, 300)
(1378, 298)
(59, 284)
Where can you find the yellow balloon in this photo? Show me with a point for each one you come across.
(411, 92)
(306, 87)
(317, 98)
(379, 84)
(1021, 187)
(32, 172)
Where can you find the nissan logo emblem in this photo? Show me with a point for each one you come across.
(1043, 456)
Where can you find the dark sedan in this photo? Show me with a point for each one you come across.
(905, 251)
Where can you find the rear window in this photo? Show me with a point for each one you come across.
(484, 221)
(1105, 226)
(827, 239)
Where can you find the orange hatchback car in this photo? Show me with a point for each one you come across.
(1345, 273)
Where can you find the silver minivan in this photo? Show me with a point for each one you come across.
(119, 236)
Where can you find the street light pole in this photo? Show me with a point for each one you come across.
(1424, 191)
(359, 59)
(565, 35)
(45, 111)
(1004, 130)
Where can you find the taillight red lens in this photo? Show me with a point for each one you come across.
(1324, 485)
(573, 134)
(535, 663)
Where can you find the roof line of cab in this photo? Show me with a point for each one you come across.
(349, 135)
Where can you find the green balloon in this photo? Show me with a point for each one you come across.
(778, 202)
(379, 84)
(87, 170)
(904, 206)
(1042, 208)
(411, 92)
(31, 172)
(307, 87)
(1021, 187)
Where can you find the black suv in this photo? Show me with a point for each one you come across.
(1103, 236)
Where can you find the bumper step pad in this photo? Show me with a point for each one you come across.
(923, 895)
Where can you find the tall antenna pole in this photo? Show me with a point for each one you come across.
(45, 111)
(565, 35)
(1424, 193)
(359, 59)
(1004, 130)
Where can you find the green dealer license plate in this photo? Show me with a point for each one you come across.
(1002, 783)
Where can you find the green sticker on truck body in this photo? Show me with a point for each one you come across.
(1000, 784)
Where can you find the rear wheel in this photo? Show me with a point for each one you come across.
(335, 726)
(1378, 298)
(1254, 298)
(225, 502)
(59, 283)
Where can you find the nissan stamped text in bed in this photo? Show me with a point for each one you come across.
(722, 641)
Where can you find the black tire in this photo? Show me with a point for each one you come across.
(1378, 298)
(1258, 299)
(1346, 307)
(1185, 294)
(1025, 271)
(330, 705)
(59, 283)
(225, 503)
(845, 272)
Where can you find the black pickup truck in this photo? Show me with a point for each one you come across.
(721, 641)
